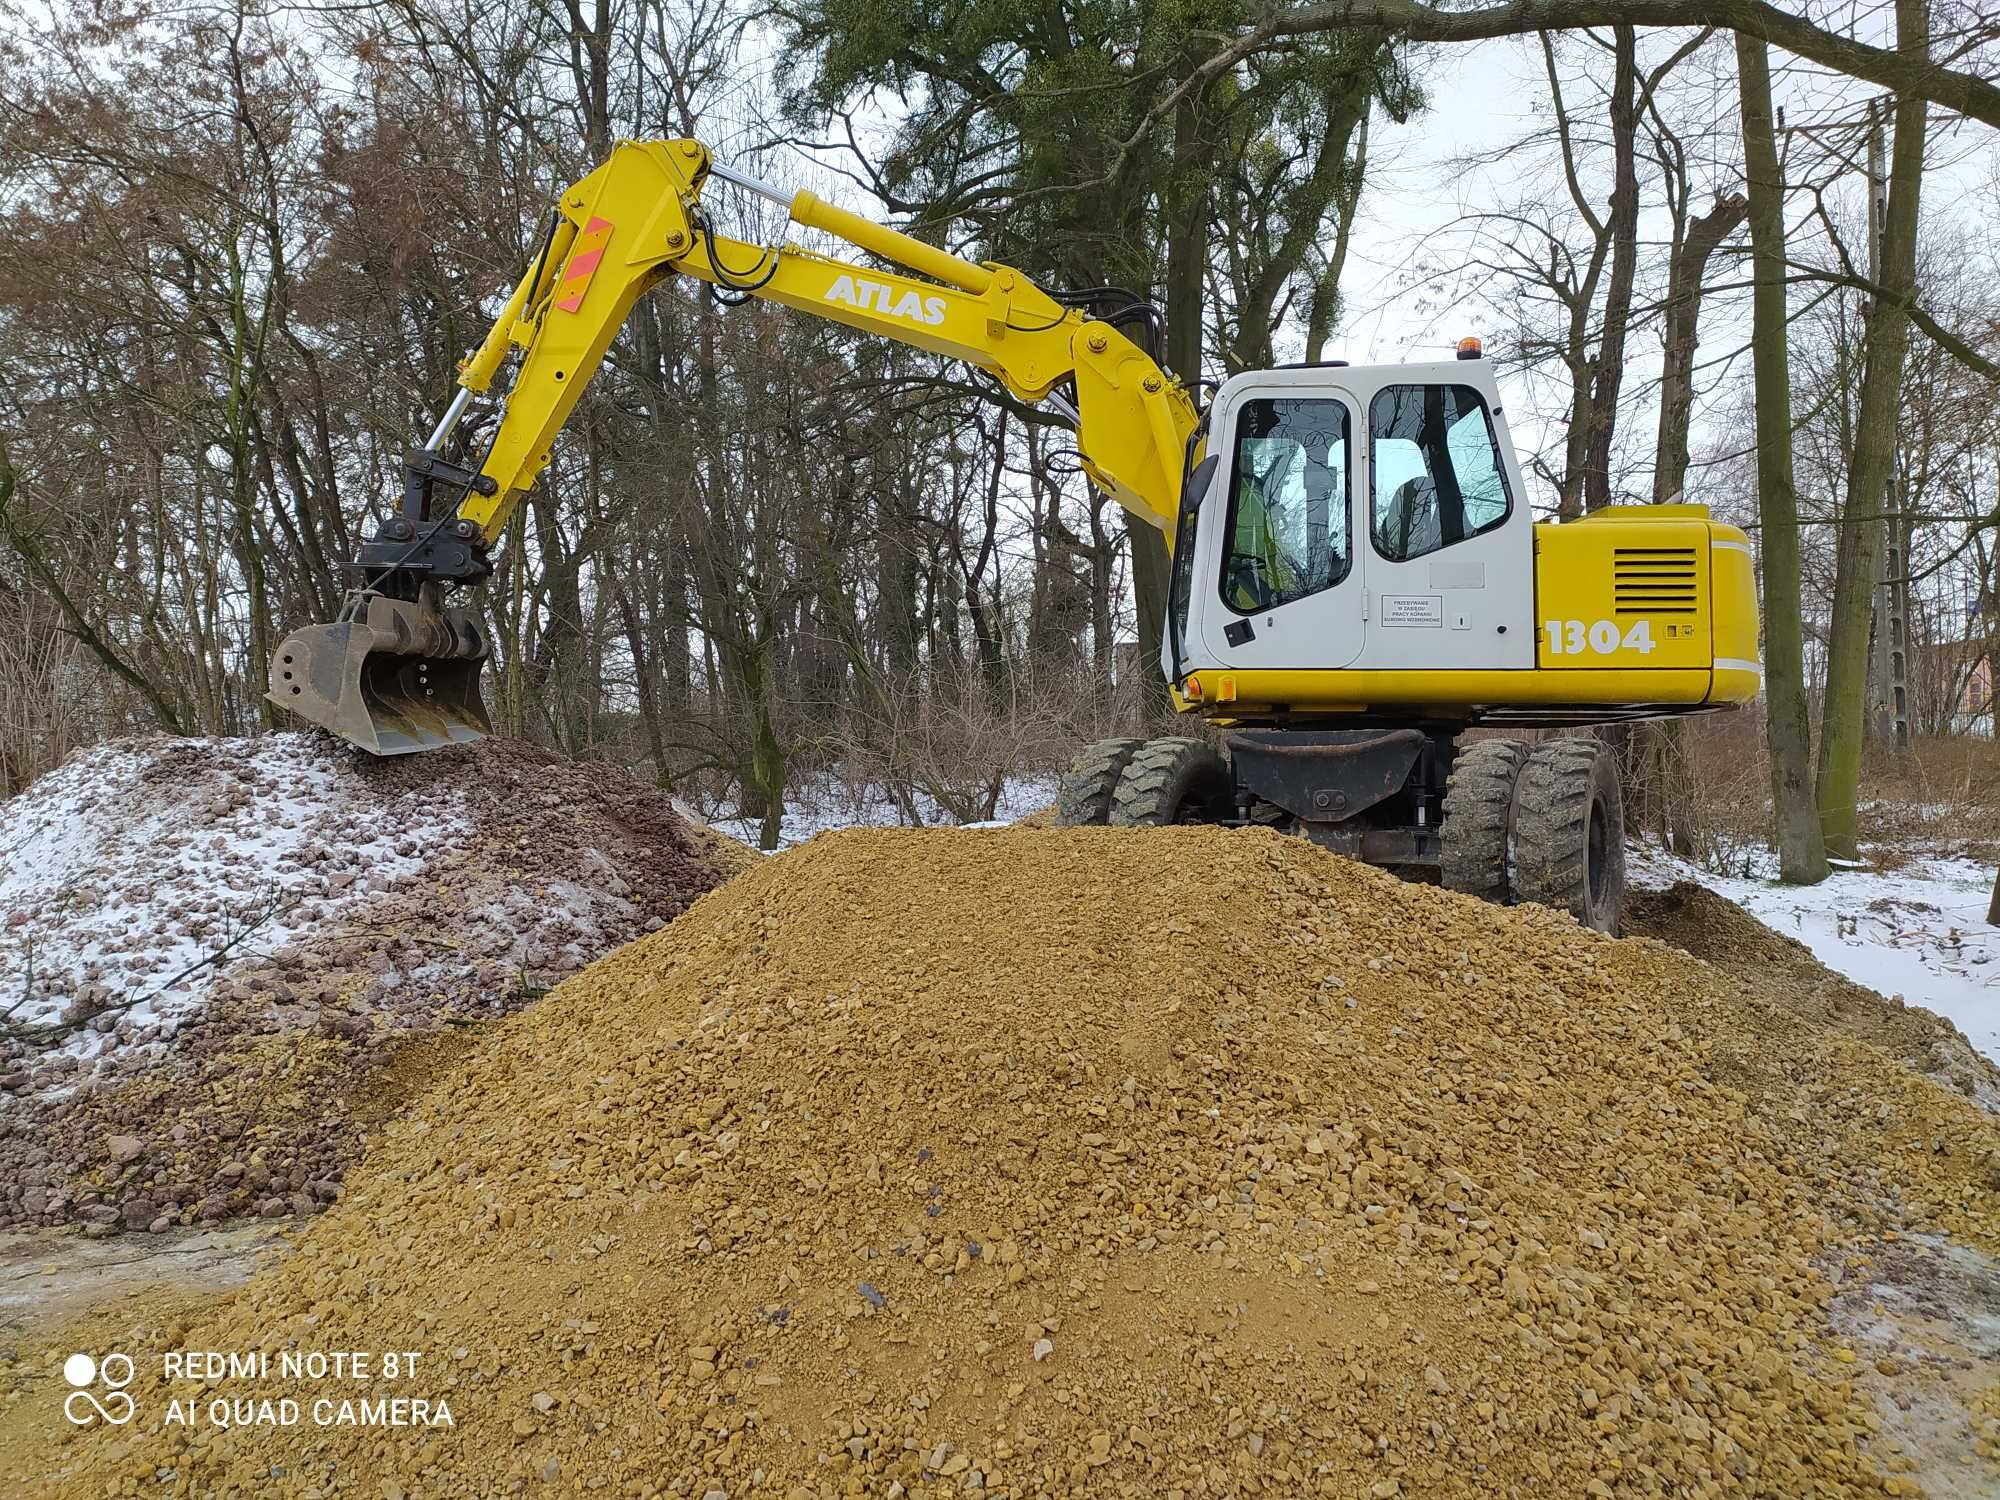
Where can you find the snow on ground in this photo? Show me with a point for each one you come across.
(1918, 931)
(241, 844)
(184, 923)
(825, 804)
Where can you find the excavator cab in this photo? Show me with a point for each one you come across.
(1356, 550)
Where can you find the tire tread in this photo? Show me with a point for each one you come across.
(1157, 774)
(1084, 799)
(1552, 830)
(1479, 819)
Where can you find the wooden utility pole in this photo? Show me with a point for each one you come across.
(1889, 667)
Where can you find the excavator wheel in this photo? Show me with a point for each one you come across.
(1174, 780)
(1569, 832)
(1085, 798)
(1479, 819)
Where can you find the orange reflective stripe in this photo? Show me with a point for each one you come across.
(583, 259)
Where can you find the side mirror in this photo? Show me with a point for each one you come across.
(1199, 481)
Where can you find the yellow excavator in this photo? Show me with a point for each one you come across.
(1357, 578)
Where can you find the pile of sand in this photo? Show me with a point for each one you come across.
(208, 948)
(1103, 1162)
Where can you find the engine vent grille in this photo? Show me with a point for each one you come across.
(1655, 580)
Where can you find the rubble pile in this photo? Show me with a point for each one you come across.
(1784, 972)
(1106, 1162)
(210, 948)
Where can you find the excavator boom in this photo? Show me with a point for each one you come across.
(399, 671)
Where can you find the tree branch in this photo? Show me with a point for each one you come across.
(1966, 93)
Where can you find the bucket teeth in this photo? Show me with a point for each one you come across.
(395, 679)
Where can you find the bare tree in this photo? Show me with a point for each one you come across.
(1788, 731)
(1843, 720)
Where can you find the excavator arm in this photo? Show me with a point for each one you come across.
(399, 670)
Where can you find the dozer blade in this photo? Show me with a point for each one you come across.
(395, 678)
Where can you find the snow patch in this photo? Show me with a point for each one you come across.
(825, 804)
(128, 876)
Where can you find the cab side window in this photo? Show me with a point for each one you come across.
(1286, 535)
(1436, 469)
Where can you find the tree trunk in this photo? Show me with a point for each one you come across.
(1187, 257)
(1844, 715)
(895, 630)
(1666, 740)
(1787, 726)
(1623, 226)
(1324, 309)
(1993, 911)
(644, 679)
(988, 620)
(1103, 553)
(1704, 236)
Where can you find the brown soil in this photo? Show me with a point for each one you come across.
(1784, 973)
(49, 1280)
(997, 1164)
(61, 1291)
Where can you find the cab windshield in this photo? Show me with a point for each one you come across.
(1287, 529)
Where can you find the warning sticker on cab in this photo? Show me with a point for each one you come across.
(1413, 609)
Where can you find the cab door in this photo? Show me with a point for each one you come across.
(1274, 577)
(1449, 545)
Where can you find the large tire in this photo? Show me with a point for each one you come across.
(1085, 798)
(1173, 780)
(1479, 819)
(1569, 832)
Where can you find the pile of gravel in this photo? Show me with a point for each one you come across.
(1784, 971)
(996, 1164)
(209, 948)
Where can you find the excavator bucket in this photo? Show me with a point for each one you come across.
(392, 677)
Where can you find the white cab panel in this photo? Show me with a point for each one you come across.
(1275, 583)
(1450, 565)
(1367, 518)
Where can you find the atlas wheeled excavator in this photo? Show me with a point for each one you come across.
(1356, 582)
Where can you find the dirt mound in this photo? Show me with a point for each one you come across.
(212, 945)
(725, 851)
(1102, 1162)
(1785, 973)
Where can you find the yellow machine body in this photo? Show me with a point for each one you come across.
(1636, 610)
